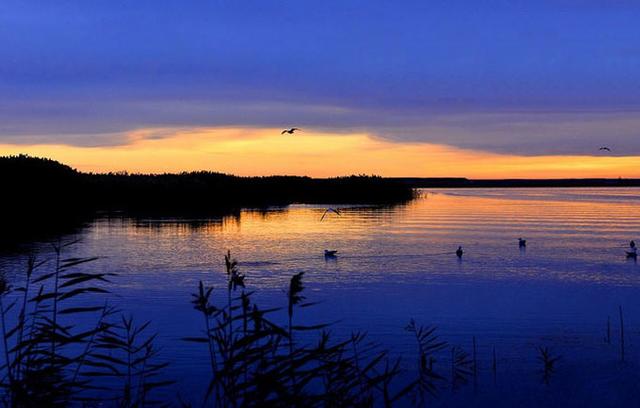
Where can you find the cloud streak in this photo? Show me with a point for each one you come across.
(320, 154)
(522, 133)
(543, 78)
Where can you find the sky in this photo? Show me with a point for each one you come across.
(476, 88)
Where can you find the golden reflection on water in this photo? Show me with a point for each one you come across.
(574, 235)
(446, 211)
(397, 263)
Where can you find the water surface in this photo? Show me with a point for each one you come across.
(397, 263)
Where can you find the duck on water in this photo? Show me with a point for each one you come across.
(330, 253)
(633, 251)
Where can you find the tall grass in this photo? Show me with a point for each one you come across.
(621, 334)
(461, 367)
(548, 361)
(61, 347)
(65, 345)
(257, 362)
(429, 345)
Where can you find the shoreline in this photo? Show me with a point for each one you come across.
(461, 182)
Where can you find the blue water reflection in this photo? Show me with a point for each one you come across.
(397, 263)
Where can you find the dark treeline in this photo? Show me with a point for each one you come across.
(39, 193)
(35, 182)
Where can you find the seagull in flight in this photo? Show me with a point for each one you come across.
(605, 148)
(329, 210)
(289, 131)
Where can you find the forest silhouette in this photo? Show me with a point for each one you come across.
(43, 195)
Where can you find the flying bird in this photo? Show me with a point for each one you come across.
(329, 210)
(289, 131)
(605, 148)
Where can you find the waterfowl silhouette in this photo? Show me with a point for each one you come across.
(459, 252)
(633, 251)
(522, 243)
(329, 210)
(330, 253)
(289, 131)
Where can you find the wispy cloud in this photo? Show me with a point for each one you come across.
(525, 78)
(523, 133)
(265, 151)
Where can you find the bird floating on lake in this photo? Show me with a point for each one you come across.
(633, 251)
(290, 131)
(329, 210)
(459, 252)
(522, 243)
(330, 253)
(605, 148)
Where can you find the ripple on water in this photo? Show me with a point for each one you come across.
(398, 263)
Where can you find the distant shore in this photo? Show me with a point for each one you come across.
(454, 182)
(43, 198)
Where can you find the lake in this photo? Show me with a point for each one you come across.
(398, 263)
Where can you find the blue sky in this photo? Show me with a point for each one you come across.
(528, 78)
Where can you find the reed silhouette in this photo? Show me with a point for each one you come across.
(50, 359)
(621, 334)
(461, 367)
(548, 361)
(256, 362)
(429, 346)
(54, 358)
(494, 366)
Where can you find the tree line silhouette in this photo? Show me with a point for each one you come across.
(41, 194)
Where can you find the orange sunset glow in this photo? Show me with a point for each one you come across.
(266, 151)
(314, 204)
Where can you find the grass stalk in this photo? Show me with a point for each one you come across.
(494, 366)
(54, 318)
(621, 334)
(4, 340)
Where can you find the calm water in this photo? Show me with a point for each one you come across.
(398, 263)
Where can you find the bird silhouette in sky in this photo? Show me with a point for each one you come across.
(328, 210)
(605, 148)
(289, 131)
